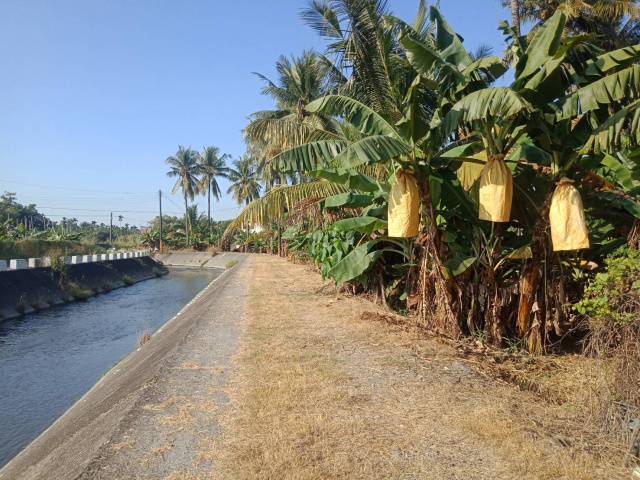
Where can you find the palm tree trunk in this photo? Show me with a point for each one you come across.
(515, 15)
(209, 207)
(186, 219)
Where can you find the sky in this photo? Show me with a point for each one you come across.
(96, 94)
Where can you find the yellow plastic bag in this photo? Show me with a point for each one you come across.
(496, 190)
(566, 216)
(404, 206)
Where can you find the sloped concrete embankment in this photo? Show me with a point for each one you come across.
(25, 291)
(195, 259)
(179, 360)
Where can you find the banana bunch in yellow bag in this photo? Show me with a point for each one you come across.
(566, 216)
(404, 206)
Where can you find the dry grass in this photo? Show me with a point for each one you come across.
(183, 417)
(116, 447)
(156, 453)
(144, 337)
(323, 391)
(161, 407)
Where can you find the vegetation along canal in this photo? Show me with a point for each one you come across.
(50, 359)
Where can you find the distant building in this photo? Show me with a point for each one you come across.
(144, 230)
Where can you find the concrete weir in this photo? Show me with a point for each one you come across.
(193, 259)
(78, 443)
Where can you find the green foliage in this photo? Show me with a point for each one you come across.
(127, 280)
(77, 291)
(614, 293)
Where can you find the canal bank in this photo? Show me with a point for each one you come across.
(29, 290)
(204, 331)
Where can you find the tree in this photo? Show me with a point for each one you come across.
(184, 165)
(614, 23)
(269, 132)
(245, 186)
(515, 15)
(212, 166)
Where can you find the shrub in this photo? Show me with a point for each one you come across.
(611, 306)
(127, 280)
(36, 305)
(107, 287)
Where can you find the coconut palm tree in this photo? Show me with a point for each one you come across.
(245, 177)
(184, 165)
(212, 165)
(245, 186)
(615, 22)
(300, 81)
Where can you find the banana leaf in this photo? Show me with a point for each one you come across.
(355, 263)
(360, 224)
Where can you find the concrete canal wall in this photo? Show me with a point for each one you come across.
(24, 290)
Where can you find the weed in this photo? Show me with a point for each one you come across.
(144, 337)
(21, 306)
(480, 335)
(107, 287)
(78, 292)
(157, 272)
(127, 280)
(515, 345)
(231, 264)
(36, 305)
(50, 301)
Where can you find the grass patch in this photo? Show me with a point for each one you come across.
(36, 305)
(231, 264)
(127, 280)
(107, 287)
(50, 301)
(78, 292)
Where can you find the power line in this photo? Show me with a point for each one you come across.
(71, 189)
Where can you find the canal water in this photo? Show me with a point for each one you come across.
(50, 359)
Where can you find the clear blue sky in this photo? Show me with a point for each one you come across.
(94, 95)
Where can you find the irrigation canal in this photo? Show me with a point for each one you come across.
(50, 359)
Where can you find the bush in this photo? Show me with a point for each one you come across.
(127, 280)
(611, 306)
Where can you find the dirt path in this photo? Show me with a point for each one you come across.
(324, 389)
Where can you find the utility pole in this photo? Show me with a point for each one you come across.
(111, 230)
(160, 200)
